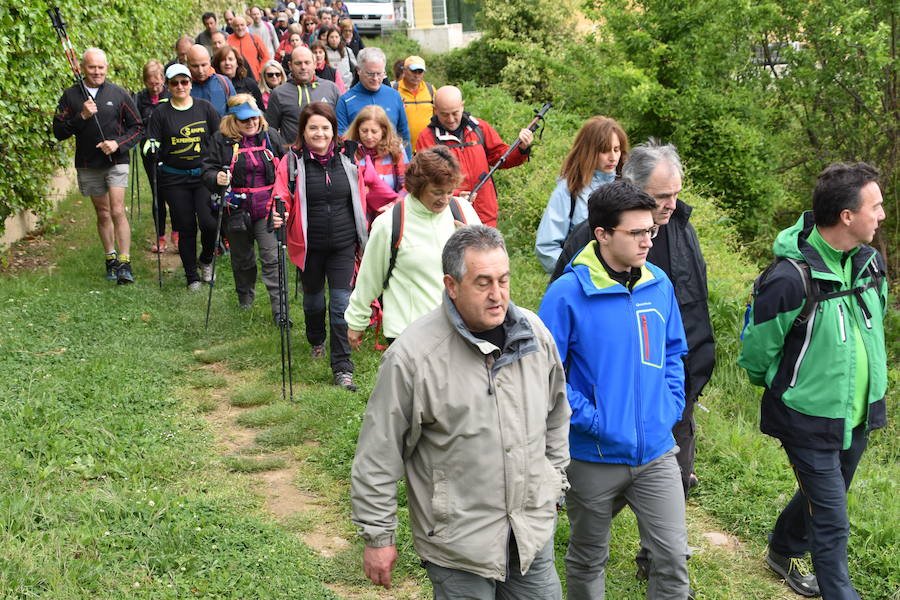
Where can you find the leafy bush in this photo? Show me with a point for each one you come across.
(478, 62)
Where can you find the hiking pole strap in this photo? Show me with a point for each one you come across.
(532, 127)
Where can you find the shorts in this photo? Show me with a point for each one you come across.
(96, 182)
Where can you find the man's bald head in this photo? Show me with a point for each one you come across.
(239, 24)
(198, 62)
(303, 65)
(448, 107)
(182, 47)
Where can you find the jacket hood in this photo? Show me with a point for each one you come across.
(520, 338)
(593, 276)
(793, 243)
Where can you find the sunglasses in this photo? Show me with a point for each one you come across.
(273, 74)
(180, 82)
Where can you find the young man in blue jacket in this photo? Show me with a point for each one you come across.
(618, 329)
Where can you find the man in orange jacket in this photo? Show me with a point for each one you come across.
(249, 45)
(476, 145)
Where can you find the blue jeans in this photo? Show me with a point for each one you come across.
(815, 520)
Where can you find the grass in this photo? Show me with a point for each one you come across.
(110, 485)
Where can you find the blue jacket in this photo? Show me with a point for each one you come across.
(216, 90)
(386, 97)
(556, 226)
(622, 353)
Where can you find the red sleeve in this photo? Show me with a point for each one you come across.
(495, 147)
(281, 182)
(426, 139)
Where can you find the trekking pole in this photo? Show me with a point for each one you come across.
(532, 127)
(137, 177)
(217, 200)
(59, 26)
(284, 318)
(153, 192)
(133, 170)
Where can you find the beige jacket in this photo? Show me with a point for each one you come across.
(482, 438)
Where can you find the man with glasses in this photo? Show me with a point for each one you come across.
(656, 168)
(618, 330)
(372, 90)
(288, 99)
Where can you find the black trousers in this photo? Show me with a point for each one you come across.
(190, 210)
(815, 519)
(336, 265)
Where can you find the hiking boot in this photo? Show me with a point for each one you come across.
(344, 379)
(160, 246)
(206, 272)
(318, 350)
(112, 269)
(194, 286)
(794, 573)
(124, 274)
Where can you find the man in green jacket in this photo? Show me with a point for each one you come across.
(815, 342)
(470, 405)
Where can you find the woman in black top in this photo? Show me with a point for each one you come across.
(326, 228)
(178, 135)
(323, 69)
(147, 100)
(229, 62)
(250, 151)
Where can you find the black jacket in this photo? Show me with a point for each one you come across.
(688, 275)
(118, 118)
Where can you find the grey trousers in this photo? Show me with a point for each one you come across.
(243, 262)
(654, 493)
(540, 582)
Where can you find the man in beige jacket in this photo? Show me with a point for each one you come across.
(470, 405)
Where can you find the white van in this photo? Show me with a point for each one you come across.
(372, 17)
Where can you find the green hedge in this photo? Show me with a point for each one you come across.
(34, 72)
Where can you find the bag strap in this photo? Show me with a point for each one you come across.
(398, 216)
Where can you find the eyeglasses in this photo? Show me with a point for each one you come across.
(179, 82)
(273, 74)
(638, 234)
(373, 74)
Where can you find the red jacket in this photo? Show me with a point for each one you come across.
(475, 153)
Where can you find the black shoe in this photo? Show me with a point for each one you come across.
(112, 269)
(794, 573)
(124, 274)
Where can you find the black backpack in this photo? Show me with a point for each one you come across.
(397, 220)
(813, 290)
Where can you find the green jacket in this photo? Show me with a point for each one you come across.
(808, 370)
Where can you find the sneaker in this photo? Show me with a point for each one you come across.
(794, 573)
(318, 350)
(112, 269)
(124, 274)
(344, 379)
(206, 272)
(195, 286)
(160, 246)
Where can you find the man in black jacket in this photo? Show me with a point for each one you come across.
(656, 168)
(101, 154)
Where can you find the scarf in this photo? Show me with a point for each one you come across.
(322, 159)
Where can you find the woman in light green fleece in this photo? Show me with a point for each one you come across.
(410, 279)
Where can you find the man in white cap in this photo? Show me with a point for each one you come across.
(417, 94)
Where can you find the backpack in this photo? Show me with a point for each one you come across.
(813, 290)
(397, 219)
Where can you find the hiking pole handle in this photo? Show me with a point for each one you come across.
(532, 127)
(56, 21)
(279, 207)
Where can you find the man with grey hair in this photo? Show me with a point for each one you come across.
(303, 87)
(105, 125)
(371, 89)
(470, 404)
